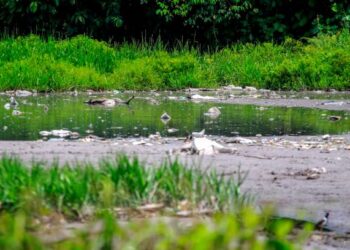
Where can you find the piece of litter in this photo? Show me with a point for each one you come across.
(198, 134)
(172, 130)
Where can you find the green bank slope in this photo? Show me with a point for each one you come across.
(83, 63)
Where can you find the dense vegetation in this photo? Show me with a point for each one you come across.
(83, 63)
(204, 21)
(38, 202)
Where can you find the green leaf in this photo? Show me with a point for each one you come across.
(33, 7)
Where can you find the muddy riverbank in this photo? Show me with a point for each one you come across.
(278, 167)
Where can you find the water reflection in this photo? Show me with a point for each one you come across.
(142, 118)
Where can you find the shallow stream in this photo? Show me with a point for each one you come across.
(142, 117)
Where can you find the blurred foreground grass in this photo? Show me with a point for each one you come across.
(115, 201)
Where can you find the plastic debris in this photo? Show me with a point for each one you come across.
(200, 97)
(199, 134)
(334, 118)
(213, 112)
(172, 130)
(16, 112)
(165, 117)
(61, 133)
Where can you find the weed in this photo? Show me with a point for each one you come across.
(83, 63)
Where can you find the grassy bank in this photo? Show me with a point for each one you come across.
(83, 63)
(38, 202)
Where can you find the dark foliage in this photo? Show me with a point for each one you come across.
(210, 22)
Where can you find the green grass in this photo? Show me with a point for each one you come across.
(83, 63)
(34, 198)
(118, 183)
(248, 231)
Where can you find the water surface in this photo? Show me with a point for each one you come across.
(142, 118)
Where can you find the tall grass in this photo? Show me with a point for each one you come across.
(118, 183)
(83, 63)
(34, 198)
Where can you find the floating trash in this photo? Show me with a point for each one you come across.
(326, 137)
(13, 101)
(165, 117)
(61, 133)
(172, 130)
(200, 97)
(334, 118)
(155, 136)
(198, 134)
(109, 102)
(204, 146)
(213, 112)
(16, 112)
(45, 133)
(12, 104)
(7, 106)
